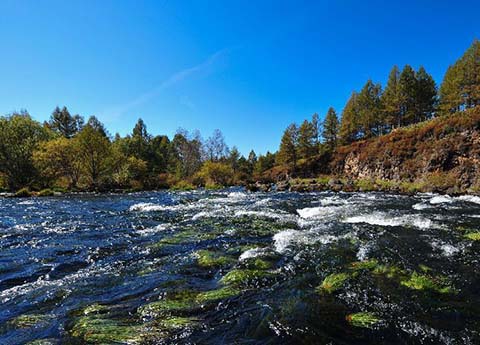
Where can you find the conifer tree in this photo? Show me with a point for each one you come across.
(426, 95)
(330, 129)
(391, 100)
(369, 109)
(350, 120)
(408, 90)
(287, 154)
(306, 140)
(450, 92)
(62, 122)
(316, 129)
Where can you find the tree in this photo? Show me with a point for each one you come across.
(188, 152)
(425, 96)
(216, 174)
(94, 153)
(20, 135)
(408, 95)
(216, 147)
(460, 88)
(330, 129)
(391, 100)
(62, 122)
(306, 145)
(95, 123)
(316, 129)
(59, 158)
(234, 158)
(350, 122)
(264, 163)
(369, 109)
(287, 154)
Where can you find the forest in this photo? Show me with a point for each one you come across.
(71, 153)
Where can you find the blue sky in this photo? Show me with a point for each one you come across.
(248, 68)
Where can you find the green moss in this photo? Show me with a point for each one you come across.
(95, 330)
(23, 193)
(173, 323)
(210, 259)
(365, 185)
(178, 302)
(363, 319)
(364, 265)
(243, 276)
(474, 236)
(29, 320)
(389, 271)
(215, 295)
(333, 282)
(213, 186)
(424, 282)
(46, 192)
(424, 268)
(43, 342)
(262, 264)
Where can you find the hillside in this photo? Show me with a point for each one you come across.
(441, 155)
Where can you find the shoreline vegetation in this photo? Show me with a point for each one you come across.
(405, 138)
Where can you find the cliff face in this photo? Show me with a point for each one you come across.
(443, 153)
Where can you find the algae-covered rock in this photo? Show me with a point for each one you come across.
(389, 271)
(209, 259)
(474, 236)
(333, 282)
(97, 330)
(29, 320)
(364, 265)
(43, 342)
(363, 320)
(216, 295)
(176, 303)
(244, 276)
(423, 282)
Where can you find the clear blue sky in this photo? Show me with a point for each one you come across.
(247, 67)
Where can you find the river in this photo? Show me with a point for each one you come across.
(229, 266)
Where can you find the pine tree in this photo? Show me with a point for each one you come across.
(287, 154)
(330, 129)
(62, 122)
(369, 109)
(408, 90)
(316, 129)
(460, 88)
(306, 140)
(391, 100)
(450, 92)
(349, 125)
(426, 95)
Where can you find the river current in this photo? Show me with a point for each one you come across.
(234, 267)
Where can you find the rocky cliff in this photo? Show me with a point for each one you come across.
(441, 155)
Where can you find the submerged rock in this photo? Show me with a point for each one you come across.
(333, 282)
(363, 320)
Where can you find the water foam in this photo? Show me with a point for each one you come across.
(383, 219)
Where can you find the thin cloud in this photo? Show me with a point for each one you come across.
(171, 81)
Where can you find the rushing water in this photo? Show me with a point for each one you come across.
(235, 267)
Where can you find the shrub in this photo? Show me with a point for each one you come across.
(46, 192)
(23, 193)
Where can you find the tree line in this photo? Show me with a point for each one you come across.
(408, 98)
(74, 153)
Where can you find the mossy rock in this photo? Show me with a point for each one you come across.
(364, 265)
(423, 282)
(43, 342)
(29, 320)
(173, 323)
(473, 236)
(216, 295)
(209, 259)
(244, 276)
(174, 303)
(363, 320)
(390, 271)
(23, 193)
(95, 330)
(333, 282)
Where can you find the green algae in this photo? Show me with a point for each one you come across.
(209, 259)
(262, 264)
(29, 320)
(333, 282)
(474, 236)
(389, 271)
(364, 265)
(423, 282)
(244, 276)
(163, 307)
(95, 330)
(172, 323)
(363, 319)
(216, 295)
(43, 342)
